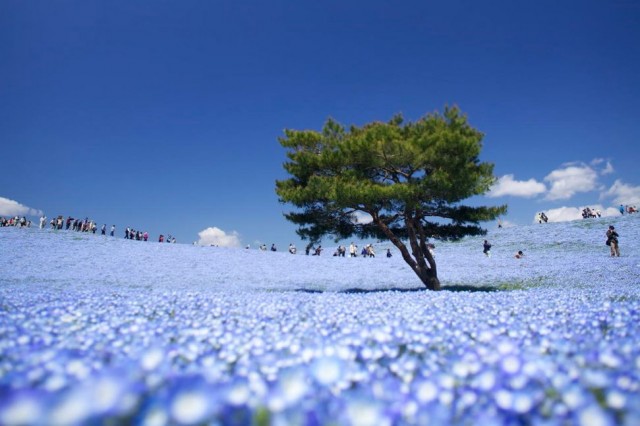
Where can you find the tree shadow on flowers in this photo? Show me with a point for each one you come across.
(454, 288)
(471, 288)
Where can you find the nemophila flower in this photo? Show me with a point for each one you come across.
(425, 391)
(156, 415)
(360, 410)
(293, 385)
(70, 407)
(327, 370)
(109, 394)
(593, 415)
(21, 408)
(191, 402)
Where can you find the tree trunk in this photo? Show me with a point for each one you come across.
(427, 273)
(433, 283)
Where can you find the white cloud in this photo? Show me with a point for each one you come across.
(13, 208)
(570, 180)
(608, 169)
(623, 193)
(217, 237)
(506, 185)
(565, 214)
(361, 217)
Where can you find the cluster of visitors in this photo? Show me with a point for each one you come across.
(81, 225)
(588, 213)
(540, 217)
(78, 225)
(367, 251)
(21, 222)
(340, 251)
(627, 209)
(168, 239)
(132, 234)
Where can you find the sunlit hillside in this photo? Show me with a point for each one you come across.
(565, 254)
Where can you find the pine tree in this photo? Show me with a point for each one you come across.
(409, 178)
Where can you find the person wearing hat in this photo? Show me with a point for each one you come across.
(612, 241)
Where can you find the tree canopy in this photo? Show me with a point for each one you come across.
(410, 178)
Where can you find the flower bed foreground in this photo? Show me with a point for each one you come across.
(538, 356)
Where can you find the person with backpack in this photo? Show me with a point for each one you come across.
(612, 241)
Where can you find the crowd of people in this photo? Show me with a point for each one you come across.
(588, 213)
(367, 251)
(15, 221)
(87, 225)
(81, 225)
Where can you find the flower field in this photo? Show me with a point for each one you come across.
(99, 330)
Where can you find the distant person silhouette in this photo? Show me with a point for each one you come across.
(612, 241)
(486, 248)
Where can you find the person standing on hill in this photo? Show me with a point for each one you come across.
(612, 241)
(486, 248)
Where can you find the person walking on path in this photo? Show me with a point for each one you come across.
(612, 241)
(486, 247)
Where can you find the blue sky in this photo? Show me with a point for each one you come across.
(164, 115)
